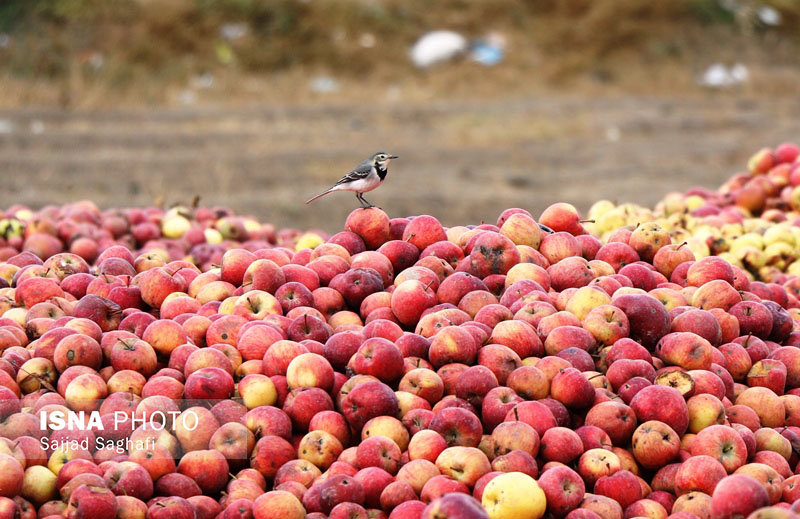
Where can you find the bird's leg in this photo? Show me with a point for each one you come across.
(366, 202)
(361, 201)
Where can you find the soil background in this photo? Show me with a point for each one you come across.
(135, 105)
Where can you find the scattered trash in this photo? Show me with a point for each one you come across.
(739, 73)
(367, 40)
(715, 76)
(324, 85)
(489, 51)
(437, 47)
(37, 127)
(763, 13)
(769, 15)
(233, 31)
(224, 53)
(612, 133)
(202, 82)
(5, 40)
(720, 76)
(6, 126)
(96, 60)
(187, 97)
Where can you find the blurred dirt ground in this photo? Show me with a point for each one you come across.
(462, 162)
(138, 103)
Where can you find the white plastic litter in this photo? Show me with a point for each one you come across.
(367, 40)
(438, 47)
(769, 15)
(721, 76)
(739, 73)
(324, 85)
(96, 60)
(233, 31)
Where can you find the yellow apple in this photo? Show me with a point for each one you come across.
(309, 240)
(38, 484)
(585, 300)
(175, 226)
(257, 390)
(514, 495)
(213, 236)
(226, 307)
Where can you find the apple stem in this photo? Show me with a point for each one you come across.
(585, 221)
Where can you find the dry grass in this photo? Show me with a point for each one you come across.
(150, 49)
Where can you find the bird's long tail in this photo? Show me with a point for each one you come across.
(319, 195)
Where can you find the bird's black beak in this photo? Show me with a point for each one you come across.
(393, 157)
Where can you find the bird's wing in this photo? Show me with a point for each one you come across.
(361, 172)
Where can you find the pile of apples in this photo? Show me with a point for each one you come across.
(194, 364)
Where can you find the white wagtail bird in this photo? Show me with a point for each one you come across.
(364, 178)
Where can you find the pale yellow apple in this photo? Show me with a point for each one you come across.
(611, 219)
(20, 315)
(251, 225)
(38, 484)
(175, 226)
(309, 240)
(514, 495)
(226, 307)
(60, 456)
(387, 426)
(454, 233)
(585, 300)
(779, 233)
(213, 236)
(600, 208)
(257, 390)
(23, 214)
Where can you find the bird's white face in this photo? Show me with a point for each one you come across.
(382, 159)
